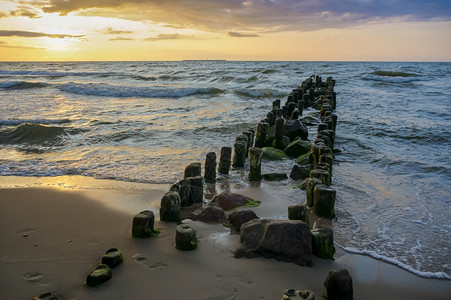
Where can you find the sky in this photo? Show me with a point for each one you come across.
(279, 30)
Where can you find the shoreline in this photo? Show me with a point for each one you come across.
(68, 247)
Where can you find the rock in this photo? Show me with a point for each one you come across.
(170, 207)
(295, 128)
(46, 296)
(143, 224)
(183, 188)
(298, 212)
(310, 120)
(99, 275)
(275, 176)
(305, 159)
(281, 239)
(238, 218)
(323, 242)
(210, 213)
(300, 172)
(297, 148)
(112, 258)
(272, 153)
(186, 237)
(293, 294)
(338, 285)
(193, 170)
(229, 201)
(324, 201)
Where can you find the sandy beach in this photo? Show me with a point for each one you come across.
(52, 237)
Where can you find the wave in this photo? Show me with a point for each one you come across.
(125, 91)
(269, 71)
(373, 254)
(35, 134)
(19, 85)
(12, 122)
(392, 76)
(259, 93)
(55, 73)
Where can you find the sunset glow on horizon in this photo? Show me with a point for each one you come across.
(291, 30)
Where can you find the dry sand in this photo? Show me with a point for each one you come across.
(51, 238)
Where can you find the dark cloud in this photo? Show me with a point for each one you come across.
(174, 36)
(32, 34)
(258, 16)
(238, 34)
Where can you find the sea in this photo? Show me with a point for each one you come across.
(143, 122)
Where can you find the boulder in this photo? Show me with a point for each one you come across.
(275, 176)
(238, 218)
(293, 294)
(300, 172)
(298, 212)
(305, 159)
(112, 258)
(310, 120)
(297, 148)
(295, 128)
(170, 207)
(323, 242)
(186, 237)
(193, 170)
(99, 275)
(229, 201)
(272, 153)
(210, 213)
(284, 240)
(338, 285)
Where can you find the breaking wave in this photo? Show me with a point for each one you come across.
(35, 134)
(20, 85)
(392, 76)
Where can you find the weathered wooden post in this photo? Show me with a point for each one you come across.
(239, 155)
(276, 104)
(193, 170)
(295, 114)
(210, 167)
(255, 164)
(322, 175)
(324, 201)
(186, 237)
(170, 207)
(278, 140)
(309, 186)
(300, 107)
(143, 224)
(224, 160)
(262, 129)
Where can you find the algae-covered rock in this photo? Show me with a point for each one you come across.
(229, 201)
(272, 153)
(112, 258)
(238, 218)
(297, 148)
(293, 294)
(211, 213)
(300, 172)
(305, 159)
(295, 128)
(338, 285)
(323, 242)
(186, 237)
(275, 176)
(99, 275)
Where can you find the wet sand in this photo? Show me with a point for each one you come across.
(51, 238)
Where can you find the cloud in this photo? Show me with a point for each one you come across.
(174, 36)
(32, 34)
(257, 16)
(119, 38)
(4, 44)
(110, 30)
(238, 34)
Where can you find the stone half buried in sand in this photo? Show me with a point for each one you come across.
(228, 201)
(280, 239)
(46, 296)
(238, 218)
(210, 213)
(99, 275)
(112, 258)
(293, 294)
(338, 285)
